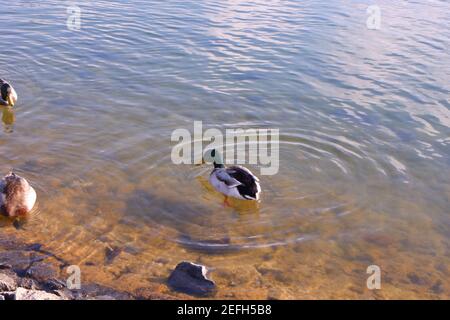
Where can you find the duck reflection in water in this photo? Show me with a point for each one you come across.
(8, 118)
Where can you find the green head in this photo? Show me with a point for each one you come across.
(213, 156)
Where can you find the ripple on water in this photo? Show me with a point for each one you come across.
(177, 203)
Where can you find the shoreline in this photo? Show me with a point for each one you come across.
(29, 272)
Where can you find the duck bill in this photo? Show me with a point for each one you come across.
(10, 101)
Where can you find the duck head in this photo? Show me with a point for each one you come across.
(12, 177)
(15, 181)
(213, 156)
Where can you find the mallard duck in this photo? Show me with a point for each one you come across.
(234, 181)
(8, 94)
(17, 197)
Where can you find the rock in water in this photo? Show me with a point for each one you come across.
(41, 271)
(191, 278)
(111, 253)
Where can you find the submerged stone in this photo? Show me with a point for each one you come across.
(7, 283)
(191, 278)
(111, 253)
(55, 284)
(41, 271)
(16, 259)
(91, 291)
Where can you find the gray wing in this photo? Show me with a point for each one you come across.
(223, 176)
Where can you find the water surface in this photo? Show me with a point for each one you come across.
(364, 118)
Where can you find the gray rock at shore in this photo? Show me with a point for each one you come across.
(5, 266)
(28, 283)
(191, 278)
(29, 272)
(25, 294)
(7, 283)
(16, 287)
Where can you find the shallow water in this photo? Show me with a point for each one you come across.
(364, 119)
